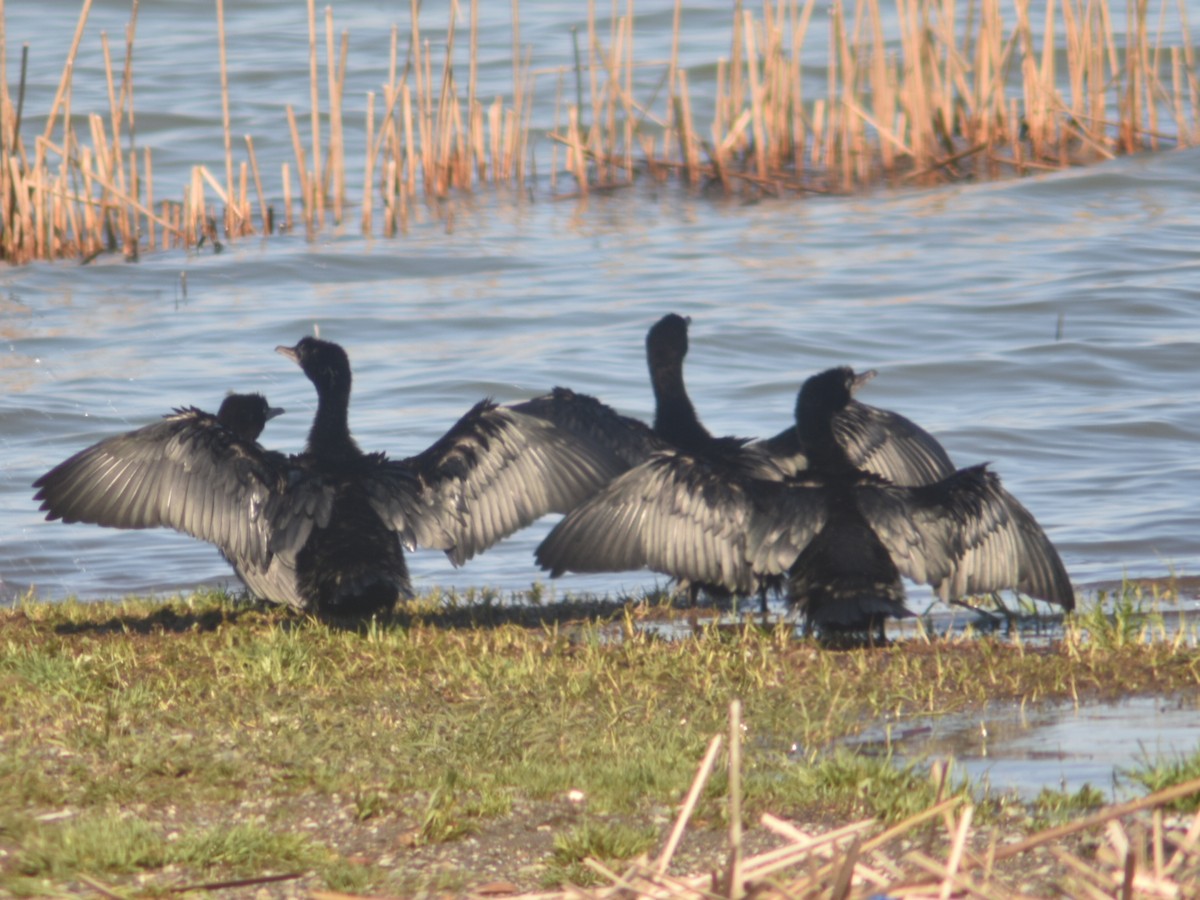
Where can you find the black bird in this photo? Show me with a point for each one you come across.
(874, 440)
(246, 415)
(324, 531)
(182, 472)
(137, 476)
(842, 536)
(676, 425)
(677, 431)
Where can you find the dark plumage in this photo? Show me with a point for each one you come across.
(192, 471)
(676, 425)
(842, 536)
(874, 440)
(324, 531)
(677, 432)
(246, 415)
(881, 441)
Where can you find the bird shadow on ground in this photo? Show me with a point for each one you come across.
(169, 618)
(166, 619)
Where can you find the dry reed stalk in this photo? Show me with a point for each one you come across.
(7, 116)
(425, 118)
(23, 222)
(519, 121)
(687, 138)
(389, 199)
(734, 871)
(65, 80)
(689, 804)
(134, 185)
(308, 189)
(301, 171)
(842, 849)
(114, 165)
(228, 132)
(312, 206)
(368, 163)
(244, 212)
(756, 105)
(263, 210)
(286, 178)
(473, 111)
(526, 157)
(447, 105)
(410, 156)
(576, 157)
(601, 137)
(335, 168)
(418, 68)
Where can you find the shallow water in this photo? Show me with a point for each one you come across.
(1047, 325)
(1056, 747)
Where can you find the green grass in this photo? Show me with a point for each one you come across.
(607, 842)
(1154, 774)
(1051, 807)
(200, 738)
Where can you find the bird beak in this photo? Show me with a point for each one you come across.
(273, 411)
(289, 352)
(862, 378)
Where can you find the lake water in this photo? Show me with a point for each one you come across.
(1048, 325)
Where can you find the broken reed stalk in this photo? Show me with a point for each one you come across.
(734, 865)
(937, 109)
(846, 861)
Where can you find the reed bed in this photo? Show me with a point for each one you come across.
(946, 90)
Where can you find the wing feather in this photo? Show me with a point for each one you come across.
(673, 514)
(875, 440)
(185, 472)
(887, 444)
(967, 535)
(494, 472)
(595, 423)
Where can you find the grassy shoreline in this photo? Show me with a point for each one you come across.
(151, 744)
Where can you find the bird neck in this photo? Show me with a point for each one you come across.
(675, 418)
(330, 435)
(821, 446)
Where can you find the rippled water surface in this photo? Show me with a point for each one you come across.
(1048, 325)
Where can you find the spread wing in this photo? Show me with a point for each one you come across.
(674, 514)
(887, 444)
(967, 535)
(186, 472)
(786, 518)
(496, 471)
(595, 423)
(876, 440)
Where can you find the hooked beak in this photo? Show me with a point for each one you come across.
(862, 378)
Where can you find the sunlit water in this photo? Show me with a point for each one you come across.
(1045, 325)
(1028, 749)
